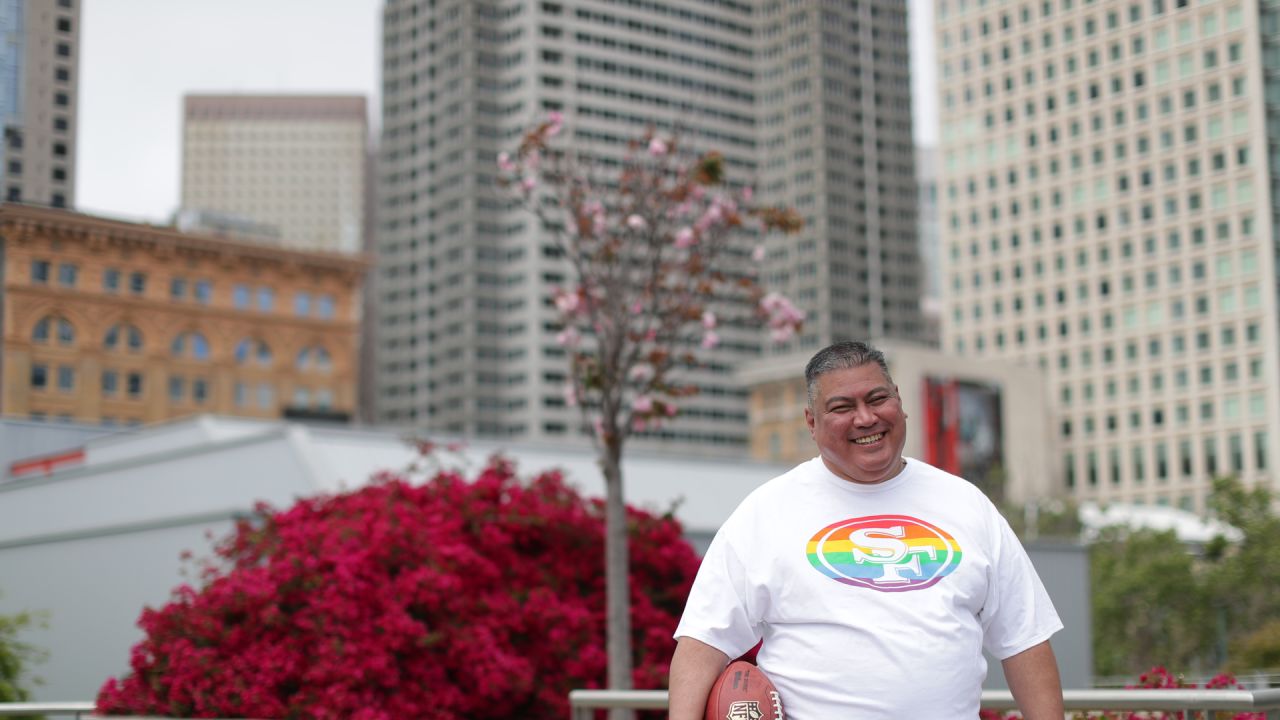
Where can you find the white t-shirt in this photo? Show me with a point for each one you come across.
(874, 601)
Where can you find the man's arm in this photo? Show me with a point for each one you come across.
(694, 669)
(1033, 679)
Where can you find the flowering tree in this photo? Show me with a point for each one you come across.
(451, 599)
(658, 263)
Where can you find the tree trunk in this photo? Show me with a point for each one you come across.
(617, 576)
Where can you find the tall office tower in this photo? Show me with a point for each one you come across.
(39, 77)
(931, 273)
(834, 119)
(292, 164)
(465, 335)
(1106, 206)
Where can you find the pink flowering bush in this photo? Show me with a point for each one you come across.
(452, 599)
(1157, 678)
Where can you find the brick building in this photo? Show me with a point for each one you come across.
(115, 322)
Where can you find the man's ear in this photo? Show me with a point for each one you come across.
(809, 419)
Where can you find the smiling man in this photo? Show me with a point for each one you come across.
(874, 580)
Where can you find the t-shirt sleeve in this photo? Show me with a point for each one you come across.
(1018, 613)
(717, 612)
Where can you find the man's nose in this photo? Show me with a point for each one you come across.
(862, 415)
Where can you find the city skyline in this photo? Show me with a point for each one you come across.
(130, 132)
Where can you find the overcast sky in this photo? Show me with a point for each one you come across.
(138, 58)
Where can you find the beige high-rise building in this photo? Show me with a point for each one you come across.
(1106, 210)
(808, 101)
(39, 78)
(288, 169)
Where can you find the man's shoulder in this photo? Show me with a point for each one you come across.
(944, 485)
(780, 487)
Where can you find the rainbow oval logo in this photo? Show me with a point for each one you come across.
(889, 553)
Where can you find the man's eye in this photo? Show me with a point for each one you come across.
(878, 399)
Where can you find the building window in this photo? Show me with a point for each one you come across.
(266, 299)
(324, 306)
(138, 283)
(134, 382)
(199, 390)
(110, 382)
(39, 377)
(40, 272)
(301, 397)
(190, 345)
(67, 274)
(253, 349)
(204, 292)
(324, 399)
(177, 388)
(111, 280)
(44, 329)
(240, 296)
(265, 396)
(178, 288)
(302, 304)
(314, 358)
(66, 378)
(242, 394)
(58, 200)
(129, 333)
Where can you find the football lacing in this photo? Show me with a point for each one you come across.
(777, 705)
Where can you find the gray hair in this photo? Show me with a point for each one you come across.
(842, 356)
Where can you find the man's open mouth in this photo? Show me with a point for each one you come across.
(868, 439)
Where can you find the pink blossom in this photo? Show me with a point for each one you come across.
(708, 319)
(642, 404)
(528, 184)
(710, 340)
(657, 147)
(637, 307)
(747, 194)
(758, 253)
(642, 372)
(639, 424)
(636, 222)
(570, 395)
(569, 337)
(568, 302)
(504, 162)
(684, 237)
(555, 121)
(670, 409)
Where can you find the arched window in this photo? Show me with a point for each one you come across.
(52, 326)
(128, 335)
(191, 345)
(314, 358)
(253, 349)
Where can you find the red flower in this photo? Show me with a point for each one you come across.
(453, 599)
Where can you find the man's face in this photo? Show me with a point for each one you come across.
(858, 423)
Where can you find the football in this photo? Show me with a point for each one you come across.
(743, 692)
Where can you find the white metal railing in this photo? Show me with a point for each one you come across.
(55, 709)
(1190, 703)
